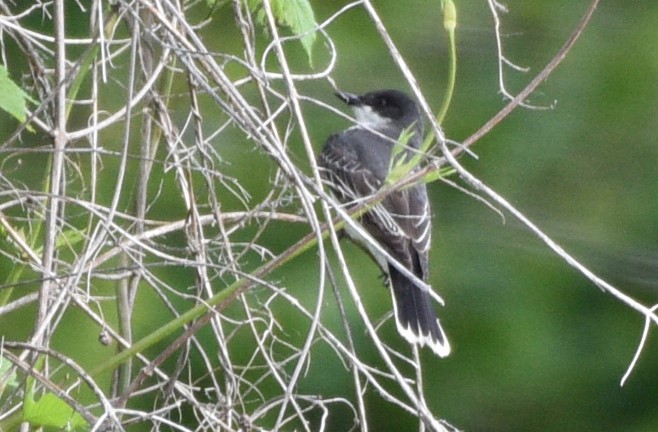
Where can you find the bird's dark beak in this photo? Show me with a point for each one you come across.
(348, 98)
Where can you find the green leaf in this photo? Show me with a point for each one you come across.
(436, 175)
(296, 15)
(400, 164)
(13, 97)
(215, 4)
(9, 245)
(11, 380)
(49, 410)
(69, 238)
(52, 411)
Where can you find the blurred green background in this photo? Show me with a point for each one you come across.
(536, 345)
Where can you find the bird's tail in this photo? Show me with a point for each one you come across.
(414, 314)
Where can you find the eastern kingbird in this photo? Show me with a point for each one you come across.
(355, 163)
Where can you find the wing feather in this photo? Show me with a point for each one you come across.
(401, 222)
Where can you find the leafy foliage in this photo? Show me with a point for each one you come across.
(296, 15)
(49, 410)
(13, 97)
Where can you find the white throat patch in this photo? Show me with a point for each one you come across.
(369, 118)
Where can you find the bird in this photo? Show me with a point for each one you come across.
(354, 164)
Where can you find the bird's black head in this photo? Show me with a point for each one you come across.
(383, 108)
